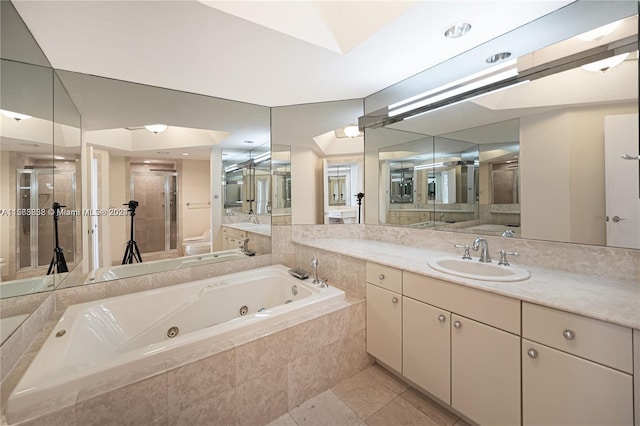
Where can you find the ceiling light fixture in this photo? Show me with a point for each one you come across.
(457, 30)
(156, 128)
(249, 142)
(605, 65)
(599, 33)
(263, 157)
(15, 115)
(351, 131)
(498, 57)
(186, 154)
(467, 84)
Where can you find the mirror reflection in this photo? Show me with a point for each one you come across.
(546, 153)
(172, 175)
(281, 180)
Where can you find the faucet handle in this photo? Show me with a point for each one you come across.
(466, 255)
(503, 257)
(313, 261)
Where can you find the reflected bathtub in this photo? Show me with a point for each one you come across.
(29, 285)
(136, 269)
(100, 339)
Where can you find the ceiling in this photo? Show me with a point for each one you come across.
(269, 53)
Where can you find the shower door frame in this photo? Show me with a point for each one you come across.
(34, 191)
(167, 204)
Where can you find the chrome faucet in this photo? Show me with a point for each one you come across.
(314, 262)
(481, 243)
(245, 248)
(508, 233)
(253, 218)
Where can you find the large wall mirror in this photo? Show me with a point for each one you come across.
(203, 169)
(554, 158)
(40, 168)
(323, 159)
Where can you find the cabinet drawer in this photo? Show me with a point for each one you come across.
(385, 277)
(234, 233)
(492, 309)
(599, 341)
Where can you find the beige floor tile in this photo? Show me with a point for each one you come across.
(325, 409)
(284, 420)
(399, 413)
(388, 379)
(436, 412)
(364, 394)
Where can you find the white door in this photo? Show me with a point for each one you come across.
(622, 181)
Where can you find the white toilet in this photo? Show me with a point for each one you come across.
(197, 245)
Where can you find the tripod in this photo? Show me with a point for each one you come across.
(58, 264)
(360, 196)
(132, 253)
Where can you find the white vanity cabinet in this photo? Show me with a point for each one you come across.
(426, 347)
(575, 370)
(469, 363)
(384, 314)
(233, 238)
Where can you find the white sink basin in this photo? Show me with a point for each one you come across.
(478, 270)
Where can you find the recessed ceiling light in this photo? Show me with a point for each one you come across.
(249, 142)
(457, 30)
(498, 57)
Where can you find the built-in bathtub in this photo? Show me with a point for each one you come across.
(96, 340)
(135, 269)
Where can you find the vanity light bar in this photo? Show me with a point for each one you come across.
(486, 77)
(427, 166)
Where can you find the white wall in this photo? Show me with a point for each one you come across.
(118, 194)
(306, 187)
(196, 190)
(562, 174)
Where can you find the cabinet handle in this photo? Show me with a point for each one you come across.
(394, 300)
(532, 353)
(457, 324)
(381, 277)
(441, 318)
(569, 334)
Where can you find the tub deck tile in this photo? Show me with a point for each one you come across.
(144, 402)
(218, 409)
(200, 379)
(263, 399)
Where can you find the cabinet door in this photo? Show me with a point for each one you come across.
(485, 372)
(384, 326)
(562, 389)
(426, 340)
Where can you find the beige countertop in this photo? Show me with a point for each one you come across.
(611, 300)
(256, 228)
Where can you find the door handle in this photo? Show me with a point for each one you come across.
(629, 157)
(617, 219)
